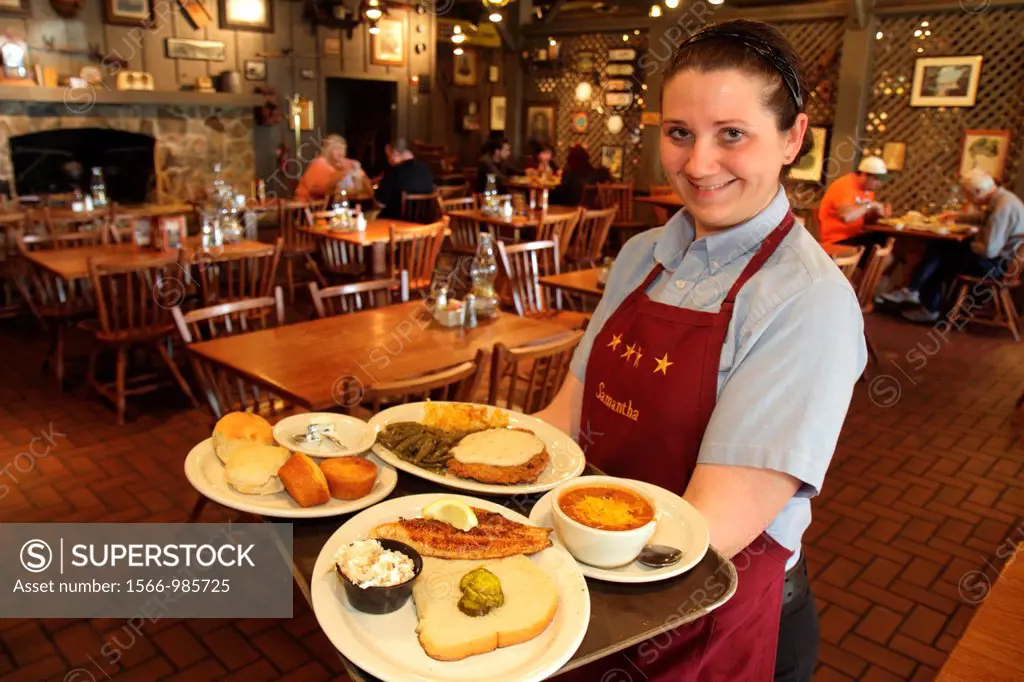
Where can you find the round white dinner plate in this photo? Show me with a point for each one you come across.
(356, 435)
(205, 472)
(567, 459)
(386, 646)
(679, 525)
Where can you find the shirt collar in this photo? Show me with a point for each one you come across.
(721, 248)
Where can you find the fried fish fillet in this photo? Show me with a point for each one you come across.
(494, 537)
(487, 473)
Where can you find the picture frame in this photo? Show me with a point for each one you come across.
(21, 8)
(387, 48)
(199, 50)
(541, 122)
(811, 166)
(499, 113)
(304, 112)
(247, 15)
(613, 158)
(946, 81)
(142, 233)
(464, 69)
(580, 122)
(985, 149)
(255, 70)
(493, 73)
(468, 116)
(172, 232)
(122, 12)
(585, 63)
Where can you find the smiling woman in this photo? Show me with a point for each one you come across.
(736, 343)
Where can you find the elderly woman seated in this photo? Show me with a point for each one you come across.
(332, 171)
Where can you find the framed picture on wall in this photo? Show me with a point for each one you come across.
(985, 149)
(122, 12)
(541, 118)
(387, 48)
(493, 74)
(17, 7)
(255, 70)
(464, 69)
(811, 165)
(498, 113)
(612, 158)
(946, 81)
(247, 15)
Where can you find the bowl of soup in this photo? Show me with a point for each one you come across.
(603, 521)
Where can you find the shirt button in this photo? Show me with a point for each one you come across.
(680, 283)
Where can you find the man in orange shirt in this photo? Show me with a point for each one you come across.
(849, 202)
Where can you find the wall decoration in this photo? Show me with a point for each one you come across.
(895, 155)
(615, 124)
(302, 111)
(493, 73)
(201, 50)
(172, 232)
(985, 149)
(619, 84)
(946, 81)
(650, 118)
(540, 122)
(307, 74)
(16, 7)
(388, 46)
(619, 70)
(465, 68)
(332, 45)
(585, 62)
(468, 116)
(123, 12)
(255, 70)
(246, 15)
(811, 165)
(498, 113)
(134, 80)
(611, 158)
(618, 99)
(623, 54)
(580, 122)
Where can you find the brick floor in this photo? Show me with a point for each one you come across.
(923, 490)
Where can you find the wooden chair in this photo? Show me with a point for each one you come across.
(559, 226)
(130, 314)
(620, 196)
(871, 273)
(350, 298)
(589, 238)
(453, 191)
(541, 367)
(461, 204)
(421, 208)
(415, 250)
(658, 190)
(228, 319)
(234, 275)
(1004, 310)
(523, 265)
(96, 221)
(298, 245)
(848, 264)
(11, 265)
(457, 383)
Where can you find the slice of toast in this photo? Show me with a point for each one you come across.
(494, 537)
(447, 634)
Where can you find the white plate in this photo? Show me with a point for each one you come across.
(386, 646)
(205, 472)
(567, 459)
(355, 433)
(679, 525)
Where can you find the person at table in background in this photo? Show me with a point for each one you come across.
(542, 162)
(577, 174)
(407, 175)
(494, 161)
(721, 360)
(331, 171)
(991, 252)
(849, 203)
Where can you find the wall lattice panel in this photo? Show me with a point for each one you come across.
(933, 135)
(545, 85)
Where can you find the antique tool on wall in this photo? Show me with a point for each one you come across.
(93, 53)
(196, 12)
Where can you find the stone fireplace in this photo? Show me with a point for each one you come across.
(188, 140)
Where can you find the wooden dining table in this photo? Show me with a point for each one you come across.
(309, 363)
(72, 264)
(672, 202)
(514, 226)
(954, 233)
(576, 282)
(376, 236)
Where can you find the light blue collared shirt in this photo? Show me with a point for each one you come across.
(792, 355)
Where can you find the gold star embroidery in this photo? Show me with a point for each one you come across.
(616, 340)
(629, 352)
(636, 363)
(663, 365)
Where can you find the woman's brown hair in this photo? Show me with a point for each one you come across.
(753, 48)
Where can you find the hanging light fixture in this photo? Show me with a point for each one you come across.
(495, 17)
(374, 29)
(458, 37)
(671, 4)
(373, 10)
(457, 51)
(655, 11)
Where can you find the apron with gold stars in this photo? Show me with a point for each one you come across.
(650, 388)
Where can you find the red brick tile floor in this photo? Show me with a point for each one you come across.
(925, 488)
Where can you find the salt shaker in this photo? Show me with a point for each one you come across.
(469, 314)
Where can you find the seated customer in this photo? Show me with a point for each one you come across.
(578, 173)
(849, 203)
(495, 162)
(331, 171)
(406, 174)
(991, 252)
(542, 162)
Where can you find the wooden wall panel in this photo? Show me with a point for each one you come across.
(228, 37)
(189, 69)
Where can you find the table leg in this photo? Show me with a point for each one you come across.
(379, 264)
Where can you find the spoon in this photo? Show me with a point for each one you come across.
(659, 556)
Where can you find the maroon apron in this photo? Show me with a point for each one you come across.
(651, 386)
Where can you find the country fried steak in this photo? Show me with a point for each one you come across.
(505, 475)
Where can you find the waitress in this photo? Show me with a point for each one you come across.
(737, 342)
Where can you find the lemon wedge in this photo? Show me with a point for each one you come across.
(453, 512)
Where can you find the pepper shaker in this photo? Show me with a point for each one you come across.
(469, 313)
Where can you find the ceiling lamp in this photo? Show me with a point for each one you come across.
(495, 4)
(495, 17)
(655, 11)
(373, 11)
(671, 4)
(583, 91)
(374, 29)
(457, 51)
(458, 37)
